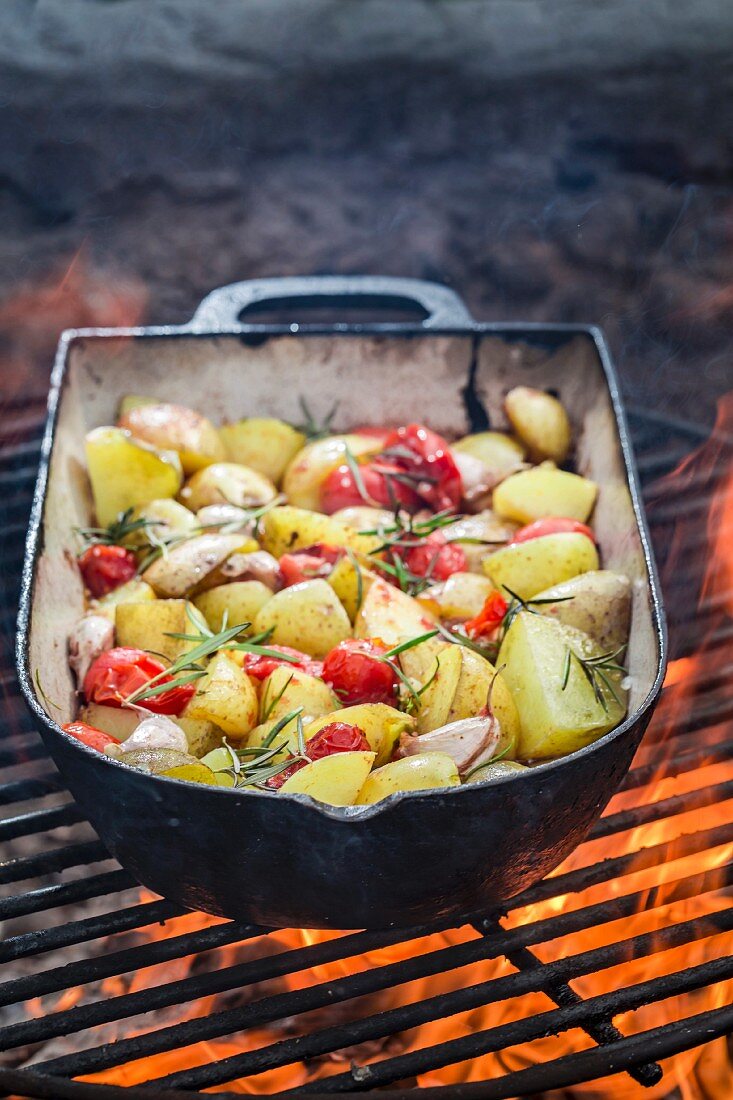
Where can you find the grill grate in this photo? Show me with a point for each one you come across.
(72, 920)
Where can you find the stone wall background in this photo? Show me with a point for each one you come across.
(551, 159)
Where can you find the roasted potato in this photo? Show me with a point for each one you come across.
(527, 568)
(262, 443)
(496, 450)
(148, 625)
(165, 519)
(285, 689)
(381, 725)
(544, 491)
(227, 483)
(183, 569)
(411, 773)
(478, 536)
(462, 596)
(350, 581)
(125, 472)
(307, 616)
(335, 779)
(559, 711)
(120, 722)
(540, 421)
(226, 697)
(175, 428)
(305, 475)
(134, 591)
(287, 528)
(240, 601)
(364, 518)
(495, 769)
(391, 615)
(598, 603)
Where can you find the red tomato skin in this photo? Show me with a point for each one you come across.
(489, 617)
(436, 558)
(120, 671)
(105, 568)
(90, 735)
(335, 737)
(312, 561)
(552, 525)
(260, 667)
(443, 487)
(341, 491)
(356, 675)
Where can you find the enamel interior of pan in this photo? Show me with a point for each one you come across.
(376, 380)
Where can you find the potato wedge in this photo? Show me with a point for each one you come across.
(225, 696)
(192, 773)
(540, 421)
(543, 491)
(149, 625)
(350, 580)
(285, 689)
(263, 443)
(496, 450)
(496, 769)
(412, 773)
(184, 568)
(598, 603)
(125, 472)
(335, 779)
(558, 709)
(175, 428)
(462, 596)
(120, 722)
(528, 568)
(227, 483)
(133, 591)
(381, 725)
(307, 616)
(287, 528)
(305, 475)
(239, 601)
(391, 615)
(484, 533)
(166, 519)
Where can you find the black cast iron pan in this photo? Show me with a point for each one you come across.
(286, 860)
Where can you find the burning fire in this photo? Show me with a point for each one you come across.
(702, 1074)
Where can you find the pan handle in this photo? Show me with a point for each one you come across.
(222, 309)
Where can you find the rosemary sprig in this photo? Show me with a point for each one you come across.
(359, 577)
(280, 726)
(597, 671)
(356, 474)
(388, 658)
(493, 760)
(115, 532)
(517, 604)
(457, 638)
(310, 427)
(270, 704)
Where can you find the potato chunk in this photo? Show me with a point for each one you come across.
(335, 779)
(305, 475)
(262, 443)
(166, 519)
(287, 528)
(185, 567)
(598, 603)
(462, 596)
(495, 449)
(391, 615)
(285, 689)
(540, 421)
(239, 601)
(307, 616)
(133, 591)
(527, 568)
(411, 773)
(382, 726)
(556, 716)
(148, 625)
(125, 472)
(227, 483)
(226, 697)
(544, 491)
(175, 428)
(120, 722)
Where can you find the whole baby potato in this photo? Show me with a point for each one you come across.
(306, 616)
(304, 477)
(598, 603)
(175, 428)
(542, 491)
(335, 779)
(125, 472)
(424, 772)
(227, 483)
(540, 421)
(528, 568)
(262, 443)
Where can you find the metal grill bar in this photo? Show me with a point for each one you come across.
(59, 859)
(49, 897)
(40, 821)
(664, 808)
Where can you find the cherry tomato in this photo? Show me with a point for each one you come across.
(380, 479)
(119, 672)
(489, 617)
(436, 558)
(310, 562)
(552, 525)
(356, 674)
(259, 666)
(105, 568)
(90, 735)
(335, 737)
(426, 455)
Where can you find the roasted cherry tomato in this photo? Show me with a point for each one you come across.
(119, 672)
(309, 563)
(105, 568)
(356, 674)
(427, 458)
(90, 735)
(336, 737)
(435, 557)
(381, 484)
(552, 525)
(489, 617)
(259, 666)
